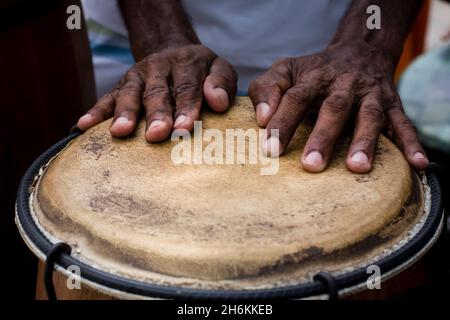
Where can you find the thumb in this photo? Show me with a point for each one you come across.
(220, 85)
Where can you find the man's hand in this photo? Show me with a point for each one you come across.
(350, 79)
(173, 74)
(347, 84)
(170, 86)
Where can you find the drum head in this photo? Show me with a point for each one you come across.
(130, 210)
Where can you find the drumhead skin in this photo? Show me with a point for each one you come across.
(126, 208)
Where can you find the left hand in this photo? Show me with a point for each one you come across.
(170, 86)
(347, 82)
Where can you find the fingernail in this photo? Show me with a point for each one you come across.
(271, 147)
(419, 156)
(85, 121)
(181, 119)
(222, 95)
(314, 158)
(262, 110)
(120, 123)
(360, 157)
(154, 124)
(86, 117)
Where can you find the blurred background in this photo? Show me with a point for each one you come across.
(47, 82)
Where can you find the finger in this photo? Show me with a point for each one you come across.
(286, 119)
(128, 102)
(266, 91)
(405, 136)
(333, 115)
(368, 125)
(187, 92)
(220, 85)
(103, 109)
(158, 104)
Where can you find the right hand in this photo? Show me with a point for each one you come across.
(170, 86)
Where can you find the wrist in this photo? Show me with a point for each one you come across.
(142, 47)
(176, 40)
(371, 52)
(156, 25)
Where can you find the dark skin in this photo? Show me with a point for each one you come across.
(352, 79)
(174, 73)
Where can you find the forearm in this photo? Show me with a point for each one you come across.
(397, 18)
(154, 25)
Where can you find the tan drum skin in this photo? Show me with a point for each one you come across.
(123, 205)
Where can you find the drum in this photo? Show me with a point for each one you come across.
(207, 216)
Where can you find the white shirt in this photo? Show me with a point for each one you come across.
(250, 34)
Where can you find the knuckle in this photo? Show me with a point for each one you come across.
(365, 141)
(184, 109)
(373, 113)
(184, 54)
(154, 91)
(153, 60)
(266, 80)
(131, 83)
(406, 125)
(297, 95)
(185, 88)
(225, 68)
(337, 103)
(346, 79)
(126, 109)
(253, 88)
(408, 141)
(103, 104)
(321, 136)
(157, 110)
(392, 102)
(370, 82)
(131, 74)
(191, 54)
(134, 76)
(221, 80)
(101, 109)
(106, 98)
(128, 89)
(397, 105)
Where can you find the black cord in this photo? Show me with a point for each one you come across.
(330, 284)
(52, 257)
(435, 167)
(440, 173)
(74, 129)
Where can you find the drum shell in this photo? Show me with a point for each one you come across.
(413, 277)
